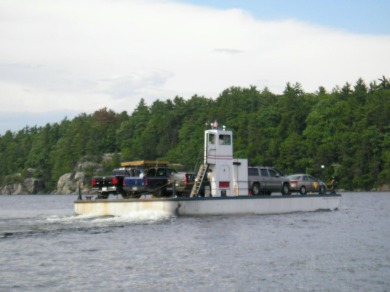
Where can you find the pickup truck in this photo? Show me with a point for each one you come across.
(149, 180)
(264, 180)
(105, 185)
(182, 182)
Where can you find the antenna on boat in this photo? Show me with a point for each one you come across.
(214, 125)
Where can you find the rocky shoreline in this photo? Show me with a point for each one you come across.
(68, 183)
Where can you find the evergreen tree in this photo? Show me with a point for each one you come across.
(346, 130)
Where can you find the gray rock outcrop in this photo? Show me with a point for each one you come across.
(28, 186)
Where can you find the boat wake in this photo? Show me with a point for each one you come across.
(57, 224)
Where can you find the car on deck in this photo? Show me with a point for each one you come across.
(264, 180)
(305, 183)
(181, 183)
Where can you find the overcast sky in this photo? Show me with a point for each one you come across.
(62, 58)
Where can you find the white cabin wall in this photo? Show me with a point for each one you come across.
(212, 180)
(240, 177)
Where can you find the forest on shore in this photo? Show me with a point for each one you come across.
(344, 132)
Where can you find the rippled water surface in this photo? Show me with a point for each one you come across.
(45, 247)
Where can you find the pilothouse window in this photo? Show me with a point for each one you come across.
(212, 139)
(224, 139)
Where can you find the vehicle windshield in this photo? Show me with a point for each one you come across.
(279, 172)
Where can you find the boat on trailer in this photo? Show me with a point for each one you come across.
(221, 188)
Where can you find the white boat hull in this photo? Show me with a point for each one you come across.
(209, 206)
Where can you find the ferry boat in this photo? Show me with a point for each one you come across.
(226, 193)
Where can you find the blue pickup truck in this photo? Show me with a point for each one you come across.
(150, 176)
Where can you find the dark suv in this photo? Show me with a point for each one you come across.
(264, 180)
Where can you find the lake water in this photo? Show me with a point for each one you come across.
(45, 247)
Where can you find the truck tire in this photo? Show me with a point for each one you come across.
(256, 189)
(103, 195)
(285, 189)
(135, 195)
(160, 191)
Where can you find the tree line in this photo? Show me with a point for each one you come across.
(343, 133)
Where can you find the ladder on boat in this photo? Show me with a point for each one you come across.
(200, 178)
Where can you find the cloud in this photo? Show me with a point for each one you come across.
(228, 51)
(81, 56)
(135, 84)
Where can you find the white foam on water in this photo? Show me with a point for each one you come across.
(139, 217)
(146, 216)
(68, 219)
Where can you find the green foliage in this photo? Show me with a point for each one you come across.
(346, 130)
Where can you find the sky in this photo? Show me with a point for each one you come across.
(59, 59)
